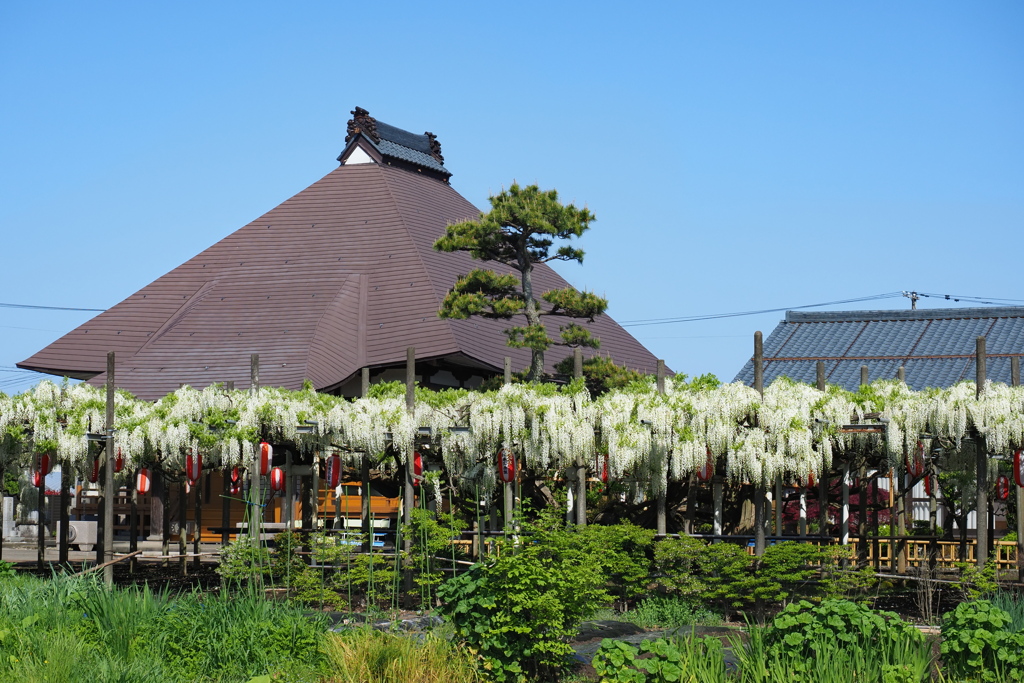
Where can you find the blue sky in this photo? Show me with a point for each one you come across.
(738, 156)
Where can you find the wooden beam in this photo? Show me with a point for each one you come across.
(108, 484)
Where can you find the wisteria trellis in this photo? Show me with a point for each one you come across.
(793, 430)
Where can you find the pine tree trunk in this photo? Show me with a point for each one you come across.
(532, 312)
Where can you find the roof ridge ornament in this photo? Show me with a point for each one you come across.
(362, 122)
(435, 147)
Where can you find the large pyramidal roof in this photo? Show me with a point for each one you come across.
(341, 276)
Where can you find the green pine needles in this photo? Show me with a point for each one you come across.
(519, 232)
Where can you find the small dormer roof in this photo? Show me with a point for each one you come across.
(380, 142)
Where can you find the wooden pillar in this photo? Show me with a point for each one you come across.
(63, 516)
(864, 375)
(508, 494)
(197, 519)
(254, 513)
(108, 483)
(901, 374)
(718, 493)
(981, 463)
(133, 521)
(1015, 381)
(901, 516)
(581, 468)
(364, 476)
(407, 499)
(823, 478)
(760, 493)
(803, 511)
(182, 526)
(289, 493)
(662, 497)
(778, 504)
(314, 493)
(844, 514)
(40, 523)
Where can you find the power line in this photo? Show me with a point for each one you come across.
(990, 300)
(51, 308)
(715, 316)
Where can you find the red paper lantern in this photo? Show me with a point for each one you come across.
(708, 470)
(1002, 487)
(1018, 467)
(810, 480)
(44, 463)
(38, 479)
(118, 461)
(188, 487)
(915, 465)
(506, 466)
(929, 484)
(604, 468)
(236, 488)
(266, 458)
(333, 470)
(94, 476)
(417, 468)
(143, 482)
(235, 475)
(193, 466)
(277, 479)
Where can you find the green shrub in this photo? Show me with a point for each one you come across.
(680, 566)
(976, 643)
(244, 560)
(366, 655)
(518, 611)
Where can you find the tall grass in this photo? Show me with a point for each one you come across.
(76, 629)
(1012, 602)
(369, 656)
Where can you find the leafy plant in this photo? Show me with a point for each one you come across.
(518, 611)
(661, 660)
(243, 560)
(976, 642)
(802, 629)
(974, 582)
(366, 655)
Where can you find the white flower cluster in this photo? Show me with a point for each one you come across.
(792, 431)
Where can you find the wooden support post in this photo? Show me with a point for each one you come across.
(662, 497)
(844, 513)
(759, 487)
(581, 468)
(901, 515)
(41, 523)
(718, 493)
(777, 501)
(803, 511)
(823, 478)
(1015, 381)
(410, 406)
(62, 515)
(289, 493)
(182, 527)
(509, 497)
(108, 483)
(197, 519)
(314, 493)
(364, 476)
(901, 374)
(254, 511)
(981, 463)
(133, 522)
(862, 514)
(864, 379)
(225, 507)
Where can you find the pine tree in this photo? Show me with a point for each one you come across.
(519, 231)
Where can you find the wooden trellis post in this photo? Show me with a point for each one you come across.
(662, 500)
(760, 494)
(1015, 381)
(981, 455)
(581, 467)
(410, 406)
(823, 475)
(108, 483)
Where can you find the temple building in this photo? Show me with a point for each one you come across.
(339, 277)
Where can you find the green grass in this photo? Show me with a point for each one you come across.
(365, 655)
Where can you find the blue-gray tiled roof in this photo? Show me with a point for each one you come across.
(935, 347)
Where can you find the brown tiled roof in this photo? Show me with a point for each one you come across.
(342, 275)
